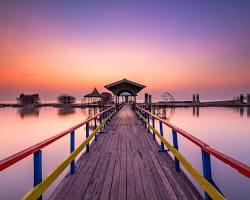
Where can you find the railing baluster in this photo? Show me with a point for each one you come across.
(148, 122)
(153, 124)
(72, 148)
(207, 172)
(37, 156)
(161, 132)
(175, 143)
(100, 120)
(95, 126)
(104, 117)
(87, 135)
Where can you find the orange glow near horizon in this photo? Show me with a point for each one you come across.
(82, 68)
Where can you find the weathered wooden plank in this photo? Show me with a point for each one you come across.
(100, 180)
(122, 191)
(106, 189)
(116, 178)
(92, 182)
(130, 177)
(138, 181)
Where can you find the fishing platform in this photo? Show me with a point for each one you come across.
(125, 156)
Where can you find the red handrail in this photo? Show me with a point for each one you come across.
(239, 166)
(7, 162)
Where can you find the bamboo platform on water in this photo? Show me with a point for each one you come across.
(125, 163)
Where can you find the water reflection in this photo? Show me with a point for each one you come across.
(242, 110)
(226, 127)
(92, 112)
(196, 111)
(28, 112)
(164, 113)
(65, 111)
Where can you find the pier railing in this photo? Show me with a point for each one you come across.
(205, 181)
(40, 184)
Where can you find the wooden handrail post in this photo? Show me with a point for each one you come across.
(104, 117)
(175, 143)
(148, 122)
(100, 120)
(153, 124)
(207, 172)
(95, 126)
(161, 132)
(37, 157)
(72, 148)
(87, 135)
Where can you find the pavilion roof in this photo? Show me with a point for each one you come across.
(124, 85)
(94, 93)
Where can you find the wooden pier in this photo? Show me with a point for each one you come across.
(125, 163)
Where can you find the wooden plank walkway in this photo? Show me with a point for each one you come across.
(125, 163)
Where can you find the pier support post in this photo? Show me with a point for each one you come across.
(72, 148)
(175, 143)
(100, 120)
(197, 98)
(37, 157)
(161, 132)
(148, 117)
(241, 98)
(207, 173)
(193, 98)
(149, 102)
(95, 126)
(153, 124)
(104, 117)
(87, 135)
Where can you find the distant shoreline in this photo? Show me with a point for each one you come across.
(57, 105)
(159, 104)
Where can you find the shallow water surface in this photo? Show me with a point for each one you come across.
(226, 129)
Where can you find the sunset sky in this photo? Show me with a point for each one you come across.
(50, 47)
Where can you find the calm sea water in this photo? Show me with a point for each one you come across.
(225, 129)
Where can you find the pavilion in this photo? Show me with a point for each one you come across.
(94, 97)
(125, 89)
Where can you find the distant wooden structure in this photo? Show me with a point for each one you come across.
(107, 98)
(125, 86)
(94, 97)
(66, 99)
(28, 99)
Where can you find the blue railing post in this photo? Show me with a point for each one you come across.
(100, 118)
(105, 116)
(87, 135)
(72, 148)
(95, 126)
(148, 116)
(37, 156)
(175, 143)
(207, 172)
(145, 116)
(153, 124)
(161, 132)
